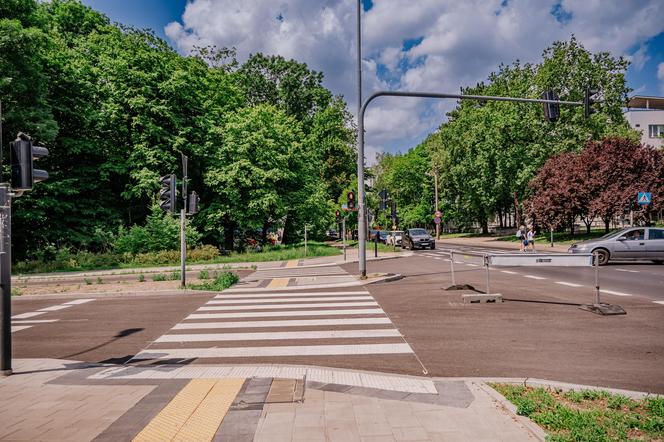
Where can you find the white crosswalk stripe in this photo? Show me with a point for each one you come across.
(288, 323)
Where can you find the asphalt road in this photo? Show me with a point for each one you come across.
(538, 332)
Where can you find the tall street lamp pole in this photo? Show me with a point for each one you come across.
(361, 220)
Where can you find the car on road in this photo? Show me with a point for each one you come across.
(382, 236)
(394, 238)
(417, 239)
(627, 244)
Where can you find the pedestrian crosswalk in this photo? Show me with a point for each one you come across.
(23, 321)
(236, 327)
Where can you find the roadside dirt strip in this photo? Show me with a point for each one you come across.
(341, 327)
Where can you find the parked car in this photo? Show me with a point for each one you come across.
(627, 244)
(417, 239)
(382, 236)
(394, 238)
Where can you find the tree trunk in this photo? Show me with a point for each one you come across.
(606, 224)
(571, 227)
(288, 226)
(587, 222)
(485, 226)
(229, 234)
(500, 218)
(517, 214)
(266, 225)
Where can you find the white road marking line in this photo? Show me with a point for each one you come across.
(509, 272)
(659, 302)
(79, 301)
(28, 315)
(568, 284)
(359, 311)
(280, 323)
(16, 328)
(262, 336)
(35, 321)
(287, 306)
(629, 271)
(611, 292)
(533, 277)
(55, 308)
(294, 350)
(470, 264)
(294, 294)
(437, 258)
(264, 301)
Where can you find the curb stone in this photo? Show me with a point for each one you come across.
(535, 430)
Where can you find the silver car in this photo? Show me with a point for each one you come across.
(626, 244)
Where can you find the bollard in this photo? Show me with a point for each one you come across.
(486, 266)
(452, 267)
(596, 262)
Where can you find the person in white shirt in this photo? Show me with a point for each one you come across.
(531, 238)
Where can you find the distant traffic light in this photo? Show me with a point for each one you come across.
(192, 205)
(24, 175)
(351, 200)
(589, 98)
(551, 110)
(168, 193)
(383, 199)
(394, 210)
(337, 214)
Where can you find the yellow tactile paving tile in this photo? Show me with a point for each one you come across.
(205, 421)
(165, 425)
(292, 263)
(278, 283)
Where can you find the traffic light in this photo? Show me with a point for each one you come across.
(589, 98)
(192, 205)
(337, 214)
(394, 210)
(168, 193)
(551, 110)
(383, 199)
(23, 153)
(351, 200)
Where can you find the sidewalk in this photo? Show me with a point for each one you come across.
(66, 400)
(540, 246)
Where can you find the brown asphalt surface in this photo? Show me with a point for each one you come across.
(538, 332)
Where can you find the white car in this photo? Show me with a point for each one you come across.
(394, 238)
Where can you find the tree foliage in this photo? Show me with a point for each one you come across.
(116, 106)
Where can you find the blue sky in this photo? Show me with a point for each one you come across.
(436, 45)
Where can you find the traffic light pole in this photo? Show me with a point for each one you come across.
(360, 151)
(5, 281)
(183, 221)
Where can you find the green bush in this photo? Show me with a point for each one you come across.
(161, 232)
(220, 282)
(159, 277)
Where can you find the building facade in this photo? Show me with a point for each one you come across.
(646, 115)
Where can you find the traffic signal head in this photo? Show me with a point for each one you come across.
(551, 110)
(23, 153)
(194, 199)
(168, 193)
(351, 200)
(589, 98)
(337, 214)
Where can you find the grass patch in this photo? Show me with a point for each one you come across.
(158, 277)
(204, 274)
(220, 282)
(175, 275)
(141, 277)
(588, 415)
(66, 261)
(563, 238)
(16, 291)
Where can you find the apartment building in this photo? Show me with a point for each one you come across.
(646, 114)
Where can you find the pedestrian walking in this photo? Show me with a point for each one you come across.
(530, 238)
(521, 236)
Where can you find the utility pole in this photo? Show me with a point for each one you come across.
(183, 221)
(435, 186)
(5, 280)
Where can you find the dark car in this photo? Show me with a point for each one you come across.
(382, 236)
(417, 239)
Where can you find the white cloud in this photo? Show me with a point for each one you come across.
(660, 75)
(462, 42)
(640, 57)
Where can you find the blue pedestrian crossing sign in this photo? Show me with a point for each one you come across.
(643, 198)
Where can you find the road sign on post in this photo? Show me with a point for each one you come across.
(436, 220)
(643, 198)
(438, 214)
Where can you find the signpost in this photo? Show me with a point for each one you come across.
(643, 198)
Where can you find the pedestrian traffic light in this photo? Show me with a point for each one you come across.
(551, 110)
(589, 98)
(168, 193)
(383, 199)
(337, 214)
(394, 210)
(192, 205)
(351, 200)
(23, 153)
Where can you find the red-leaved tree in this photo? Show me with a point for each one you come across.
(600, 181)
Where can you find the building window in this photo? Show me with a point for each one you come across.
(655, 130)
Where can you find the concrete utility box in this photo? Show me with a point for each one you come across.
(480, 298)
